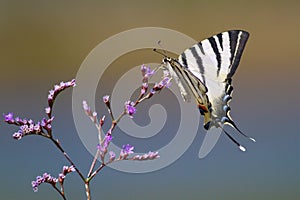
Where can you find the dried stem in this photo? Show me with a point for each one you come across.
(93, 163)
(57, 144)
(60, 192)
(95, 172)
(87, 190)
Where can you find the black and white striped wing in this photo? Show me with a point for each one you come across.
(214, 61)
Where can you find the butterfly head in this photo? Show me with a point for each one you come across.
(167, 60)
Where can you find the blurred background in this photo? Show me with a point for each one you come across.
(45, 42)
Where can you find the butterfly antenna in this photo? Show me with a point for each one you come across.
(233, 140)
(161, 53)
(164, 52)
(235, 126)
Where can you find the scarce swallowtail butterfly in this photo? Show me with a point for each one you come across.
(204, 73)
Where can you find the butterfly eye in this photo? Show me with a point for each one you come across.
(167, 60)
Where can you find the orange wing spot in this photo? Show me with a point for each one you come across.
(202, 107)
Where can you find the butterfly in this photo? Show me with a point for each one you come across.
(204, 72)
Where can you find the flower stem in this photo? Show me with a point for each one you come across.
(57, 144)
(87, 190)
(60, 192)
(95, 172)
(93, 163)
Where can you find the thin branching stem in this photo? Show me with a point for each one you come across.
(95, 172)
(93, 163)
(87, 190)
(118, 119)
(60, 192)
(62, 189)
(57, 144)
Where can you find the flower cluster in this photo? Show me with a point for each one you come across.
(148, 156)
(43, 128)
(66, 170)
(55, 91)
(130, 108)
(46, 178)
(27, 127)
(165, 82)
(144, 88)
(103, 146)
(146, 73)
(88, 112)
(126, 151)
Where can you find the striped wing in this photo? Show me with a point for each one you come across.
(214, 61)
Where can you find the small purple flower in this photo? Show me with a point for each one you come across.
(65, 171)
(125, 151)
(25, 129)
(51, 95)
(18, 120)
(9, 118)
(48, 127)
(101, 121)
(106, 99)
(151, 93)
(129, 108)
(107, 138)
(88, 112)
(43, 122)
(165, 82)
(71, 169)
(37, 127)
(144, 88)
(85, 106)
(166, 73)
(48, 111)
(46, 123)
(25, 121)
(112, 156)
(61, 177)
(128, 149)
(34, 186)
(18, 135)
(71, 83)
(146, 73)
(143, 69)
(57, 87)
(103, 147)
